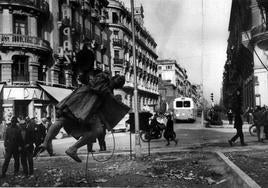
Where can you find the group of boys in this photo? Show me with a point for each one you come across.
(21, 137)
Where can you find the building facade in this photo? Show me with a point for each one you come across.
(174, 82)
(119, 24)
(246, 65)
(38, 43)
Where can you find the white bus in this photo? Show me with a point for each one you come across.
(184, 109)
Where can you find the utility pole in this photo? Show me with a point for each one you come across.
(202, 62)
(136, 113)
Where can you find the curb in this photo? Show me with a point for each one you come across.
(240, 179)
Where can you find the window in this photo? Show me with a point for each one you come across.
(62, 79)
(116, 54)
(115, 17)
(179, 104)
(187, 104)
(20, 72)
(20, 25)
(116, 34)
(168, 67)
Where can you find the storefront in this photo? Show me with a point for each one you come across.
(37, 101)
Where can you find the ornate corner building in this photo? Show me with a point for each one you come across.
(119, 23)
(38, 43)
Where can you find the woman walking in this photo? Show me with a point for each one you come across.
(169, 133)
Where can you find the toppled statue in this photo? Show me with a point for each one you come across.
(84, 112)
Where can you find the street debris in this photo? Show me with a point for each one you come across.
(101, 180)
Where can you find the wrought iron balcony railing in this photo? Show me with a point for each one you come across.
(118, 42)
(118, 62)
(23, 41)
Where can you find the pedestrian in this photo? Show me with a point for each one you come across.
(257, 119)
(11, 144)
(230, 116)
(238, 125)
(83, 113)
(26, 144)
(101, 139)
(39, 135)
(169, 133)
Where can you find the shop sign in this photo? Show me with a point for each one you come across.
(24, 94)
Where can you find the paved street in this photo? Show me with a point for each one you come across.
(190, 135)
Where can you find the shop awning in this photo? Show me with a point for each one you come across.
(56, 92)
(1, 87)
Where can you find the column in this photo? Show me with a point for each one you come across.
(31, 109)
(32, 26)
(33, 72)
(7, 26)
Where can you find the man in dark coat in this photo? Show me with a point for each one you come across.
(39, 135)
(84, 111)
(238, 124)
(11, 143)
(85, 63)
(26, 144)
(169, 133)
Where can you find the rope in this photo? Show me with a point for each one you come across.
(105, 160)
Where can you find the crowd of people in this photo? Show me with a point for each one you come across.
(22, 137)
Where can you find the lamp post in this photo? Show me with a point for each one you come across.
(136, 113)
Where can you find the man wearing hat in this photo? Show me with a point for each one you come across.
(11, 143)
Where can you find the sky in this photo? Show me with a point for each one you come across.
(177, 25)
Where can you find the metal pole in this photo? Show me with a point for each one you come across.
(137, 126)
(130, 146)
(202, 61)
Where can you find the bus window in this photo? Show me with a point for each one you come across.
(178, 104)
(187, 104)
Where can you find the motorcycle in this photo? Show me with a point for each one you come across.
(252, 130)
(155, 130)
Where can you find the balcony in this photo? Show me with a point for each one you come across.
(39, 6)
(259, 36)
(118, 42)
(118, 62)
(23, 41)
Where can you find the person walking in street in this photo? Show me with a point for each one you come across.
(230, 116)
(259, 122)
(11, 144)
(169, 133)
(26, 144)
(238, 125)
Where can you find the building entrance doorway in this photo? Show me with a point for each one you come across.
(21, 108)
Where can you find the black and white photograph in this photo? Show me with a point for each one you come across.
(134, 93)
